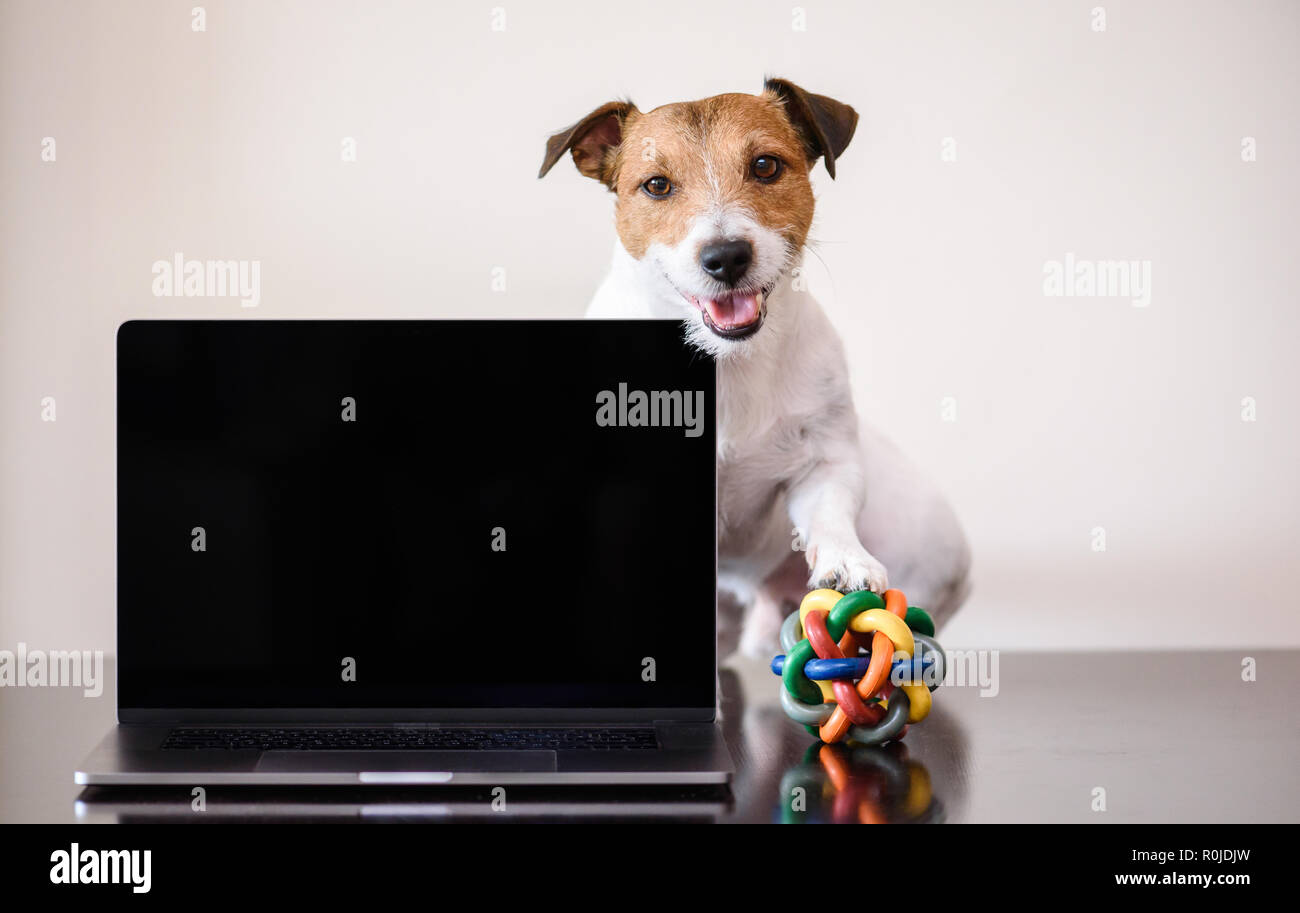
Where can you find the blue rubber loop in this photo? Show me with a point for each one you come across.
(827, 669)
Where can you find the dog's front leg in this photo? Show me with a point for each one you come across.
(824, 505)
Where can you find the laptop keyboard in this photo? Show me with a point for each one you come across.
(337, 738)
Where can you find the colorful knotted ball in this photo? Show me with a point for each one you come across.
(857, 666)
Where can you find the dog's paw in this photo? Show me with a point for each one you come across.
(845, 569)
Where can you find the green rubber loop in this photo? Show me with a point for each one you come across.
(919, 620)
(792, 675)
(847, 608)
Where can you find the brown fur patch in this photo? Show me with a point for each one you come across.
(705, 148)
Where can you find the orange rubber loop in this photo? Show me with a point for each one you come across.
(896, 603)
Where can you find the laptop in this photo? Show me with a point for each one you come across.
(675, 803)
(391, 553)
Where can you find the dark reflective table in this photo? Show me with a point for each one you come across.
(1072, 737)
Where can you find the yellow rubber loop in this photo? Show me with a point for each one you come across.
(919, 695)
(893, 627)
(817, 599)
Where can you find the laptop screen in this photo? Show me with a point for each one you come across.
(414, 514)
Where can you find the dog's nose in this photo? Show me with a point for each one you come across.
(726, 261)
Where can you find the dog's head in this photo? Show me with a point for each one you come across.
(713, 196)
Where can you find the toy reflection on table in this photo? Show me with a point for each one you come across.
(863, 784)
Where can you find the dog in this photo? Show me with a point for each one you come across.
(713, 209)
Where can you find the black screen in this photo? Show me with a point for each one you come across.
(434, 500)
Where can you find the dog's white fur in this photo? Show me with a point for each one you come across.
(806, 496)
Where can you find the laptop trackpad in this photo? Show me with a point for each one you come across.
(390, 766)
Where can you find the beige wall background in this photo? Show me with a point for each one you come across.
(1071, 413)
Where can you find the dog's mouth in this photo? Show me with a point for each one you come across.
(734, 315)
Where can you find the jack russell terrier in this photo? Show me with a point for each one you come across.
(713, 210)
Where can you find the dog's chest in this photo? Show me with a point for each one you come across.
(757, 455)
(747, 503)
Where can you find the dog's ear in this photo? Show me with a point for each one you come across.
(826, 125)
(591, 141)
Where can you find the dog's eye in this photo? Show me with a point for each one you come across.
(766, 168)
(657, 186)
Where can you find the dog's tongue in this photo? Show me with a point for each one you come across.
(734, 311)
